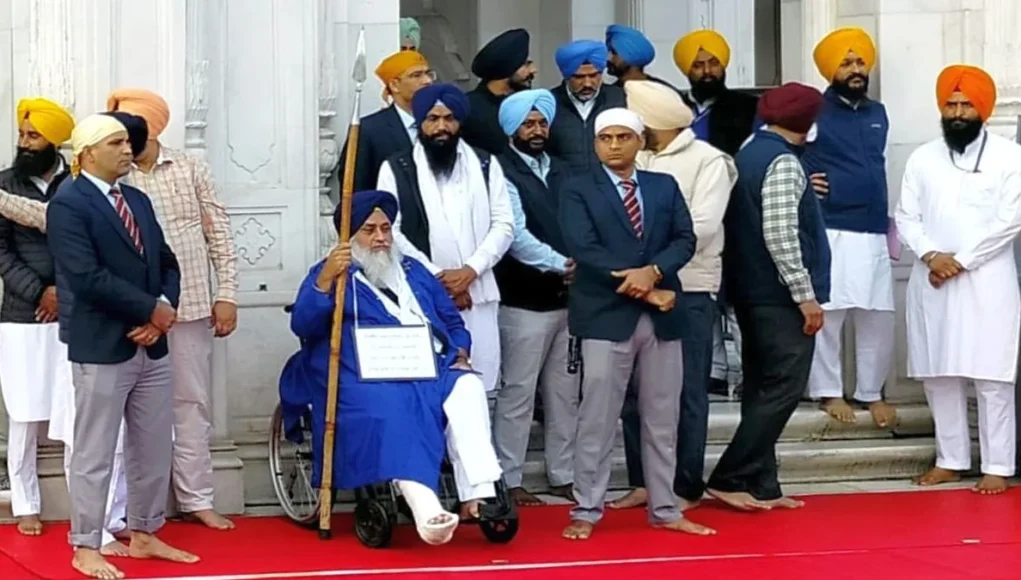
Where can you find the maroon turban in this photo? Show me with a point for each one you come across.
(792, 106)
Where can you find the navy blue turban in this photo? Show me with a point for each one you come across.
(571, 56)
(632, 46)
(502, 56)
(515, 108)
(138, 130)
(428, 96)
(363, 203)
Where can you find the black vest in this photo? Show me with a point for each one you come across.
(414, 221)
(523, 286)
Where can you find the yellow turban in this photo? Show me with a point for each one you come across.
(394, 65)
(687, 47)
(975, 83)
(659, 105)
(92, 130)
(146, 104)
(49, 119)
(833, 49)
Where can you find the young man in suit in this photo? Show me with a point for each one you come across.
(630, 233)
(108, 245)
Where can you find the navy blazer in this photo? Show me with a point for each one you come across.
(115, 288)
(600, 238)
(382, 135)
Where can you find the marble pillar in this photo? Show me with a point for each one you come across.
(818, 18)
(329, 149)
(1001, 53)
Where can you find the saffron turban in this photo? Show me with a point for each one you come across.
(515, 108)
(444, 94)
(91, 131)
(659, 106)
(394, 65)
(631, 45)
(50, 120)
(146, 104)
(138, 130)
(502, 56)
(363, 203)
(410, 28)
(686, 48)
(620, 117)
(833, 49)
(792, 106)
(975, 83)
(572, 56)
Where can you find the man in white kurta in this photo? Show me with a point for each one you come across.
(959, 212)
(455, 216)
(846, 163)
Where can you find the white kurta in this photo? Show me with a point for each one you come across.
(33, 369)
(861, 275)
(970, 327)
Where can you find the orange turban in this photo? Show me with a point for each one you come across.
(146, 104)
(975, 83)
(833, 49)
(394, 65)
(687, 47)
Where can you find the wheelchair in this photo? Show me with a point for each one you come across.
(378, 507)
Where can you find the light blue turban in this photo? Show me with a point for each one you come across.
(411, 29)
(571, 56)
(630, 44)
(515, 108)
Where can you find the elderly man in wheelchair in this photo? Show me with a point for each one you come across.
(407, 396)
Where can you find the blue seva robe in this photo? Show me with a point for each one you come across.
(385, 430)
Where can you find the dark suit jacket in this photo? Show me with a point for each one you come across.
(732, 119)
(381, 136)
(115, 288)
(600, 238)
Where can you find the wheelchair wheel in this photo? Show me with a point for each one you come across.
(373, 525)
(290, 469)
(499, 531)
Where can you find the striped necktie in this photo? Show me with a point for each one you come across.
(125, 214)
(631, 206)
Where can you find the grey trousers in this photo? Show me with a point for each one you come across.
(534, 347)
(191, 354)
(659, 371)
(139, 391)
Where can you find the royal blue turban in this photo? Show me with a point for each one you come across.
(515, 108)
(450, 95)
(138, 130)
(632, 46)
(571, 56)
(363, 203)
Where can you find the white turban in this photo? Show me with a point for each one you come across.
(90, 131)
(620, 117)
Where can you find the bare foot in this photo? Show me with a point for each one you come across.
(839, 410)
(883, 414)
(30, 525)
(787, 503)
(146, 546)
(470, 510)
(124, 534)
(688, 527)
(564, 491)
(521, 497)
(578, 530)
(991, 485)
(687, 504)
(114, 549)
(92, 564)
(637, 497)
(740, 500)
(936, 476)
(210, 519)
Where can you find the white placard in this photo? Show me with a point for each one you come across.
(395, 353)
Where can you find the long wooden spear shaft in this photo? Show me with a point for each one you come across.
(343, 237)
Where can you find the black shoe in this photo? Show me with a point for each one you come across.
(719, 387)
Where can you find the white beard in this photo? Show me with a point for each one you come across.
(378, 266)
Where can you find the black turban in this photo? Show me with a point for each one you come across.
(502, 56)
(138, 130)
(363, 203)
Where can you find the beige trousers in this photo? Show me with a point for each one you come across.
(191, 353)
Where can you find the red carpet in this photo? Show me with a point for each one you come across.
(924, 535)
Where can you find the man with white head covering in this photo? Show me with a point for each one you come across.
(705, 176)
(125, 280)
(631, 233)
(533, 279)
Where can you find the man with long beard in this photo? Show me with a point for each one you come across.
(847, 166)
(33, 361)
(503, 67)
(455, 217)
(960, 212)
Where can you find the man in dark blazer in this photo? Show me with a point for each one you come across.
(108, 245)
(630, 233)
(391, 130)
